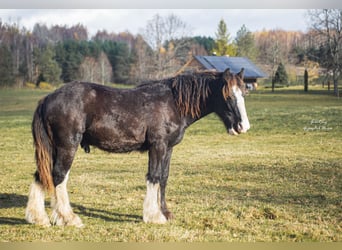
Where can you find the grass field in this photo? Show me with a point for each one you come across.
(282, 181)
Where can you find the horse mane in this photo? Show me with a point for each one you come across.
(190, 90)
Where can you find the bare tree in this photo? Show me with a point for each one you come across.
(87, 69)
(328, 25)
(142, 68)
(154, 32)
(96, 69)
(166, 36)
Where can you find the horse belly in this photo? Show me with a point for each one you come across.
(116, 136)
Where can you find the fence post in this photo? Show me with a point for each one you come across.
(306, 80)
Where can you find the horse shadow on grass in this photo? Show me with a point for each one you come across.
(105, 214)
(12, 200)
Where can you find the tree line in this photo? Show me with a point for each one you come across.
(61, 54)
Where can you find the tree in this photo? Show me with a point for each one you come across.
(96, 69)
(41, 33)
(119, 58)
(58, 33)
(281, 75)
(46, 66)
(6, 75)
(143, 55)
(161, 29)
(245, 44)
(284, 43)
(87, 69)
(104, 68)
(69, 58)
(167, 38)
(207, 43)
(328, 26)
(223, 47)
(27, 65)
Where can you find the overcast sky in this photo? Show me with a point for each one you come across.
(202, 22)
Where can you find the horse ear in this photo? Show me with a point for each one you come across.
(241, 73)
(226, 88)
(226, 74)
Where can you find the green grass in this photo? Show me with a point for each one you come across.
(282, 181)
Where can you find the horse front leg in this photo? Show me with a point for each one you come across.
(152, 212)
(163, 183)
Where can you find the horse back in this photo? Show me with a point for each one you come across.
(114, 120)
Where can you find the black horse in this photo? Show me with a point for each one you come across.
(151, 117)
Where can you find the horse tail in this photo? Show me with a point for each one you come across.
(43, 143)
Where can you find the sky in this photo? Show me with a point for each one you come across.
(201, 22)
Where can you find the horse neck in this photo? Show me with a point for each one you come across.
(206, 109)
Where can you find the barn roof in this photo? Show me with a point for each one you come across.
(221, 63)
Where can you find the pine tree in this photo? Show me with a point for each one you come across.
(207, 42)
(281, 75)
(47, 66)
(245, 44)
(69, 57)
(222, 45)
(119, 58)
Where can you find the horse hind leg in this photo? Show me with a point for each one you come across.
(62, 214)
(35, 210)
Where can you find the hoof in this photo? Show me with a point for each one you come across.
(157, 218)
(33, 218)
(76, 222)
(42, 223)
(70, 220)
(168, 215)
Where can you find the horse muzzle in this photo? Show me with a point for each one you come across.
(232, 131)
(241, 128)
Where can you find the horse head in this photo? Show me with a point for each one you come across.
(233, 111)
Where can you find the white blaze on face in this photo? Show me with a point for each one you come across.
(242, 109)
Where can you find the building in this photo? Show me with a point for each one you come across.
(221, 63)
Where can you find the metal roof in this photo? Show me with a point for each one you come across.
(221, 63)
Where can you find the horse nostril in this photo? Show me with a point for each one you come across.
(240, 128)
